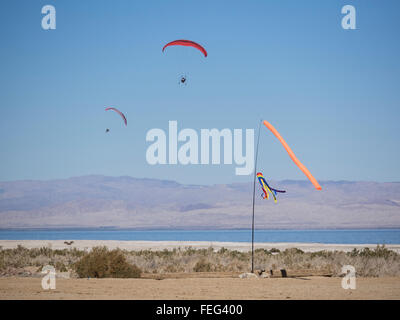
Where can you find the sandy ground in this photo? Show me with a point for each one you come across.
(201, 288)
(161, 245)
(216, 286)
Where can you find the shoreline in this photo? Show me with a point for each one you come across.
(136, 245)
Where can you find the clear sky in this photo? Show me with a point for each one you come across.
(333, 94)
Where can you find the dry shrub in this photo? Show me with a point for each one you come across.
(203, 266)
(102, 263)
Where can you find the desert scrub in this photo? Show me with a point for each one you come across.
(375, 263)
(15, 258)
(378, 252)
(202, 266)
(102, 263)
(60, 266)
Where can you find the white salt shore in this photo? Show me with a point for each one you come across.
(169, 245)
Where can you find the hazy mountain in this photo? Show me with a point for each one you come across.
(94, 201)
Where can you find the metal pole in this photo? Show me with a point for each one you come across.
(254, 198)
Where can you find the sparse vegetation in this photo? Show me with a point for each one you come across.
(202, 266)
(101, 262)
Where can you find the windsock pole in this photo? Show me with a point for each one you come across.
(254, 199)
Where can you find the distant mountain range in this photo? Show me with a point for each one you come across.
(126, 202)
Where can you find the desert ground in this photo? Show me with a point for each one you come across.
(197, 285)
(201, 288)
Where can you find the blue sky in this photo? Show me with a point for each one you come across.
(333, 94)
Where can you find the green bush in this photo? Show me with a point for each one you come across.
(102, 263)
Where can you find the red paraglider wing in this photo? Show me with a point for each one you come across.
(186, 43)
(120, 113)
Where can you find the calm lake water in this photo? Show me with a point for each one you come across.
(370, 236)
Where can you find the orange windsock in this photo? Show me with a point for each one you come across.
(292, 155)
